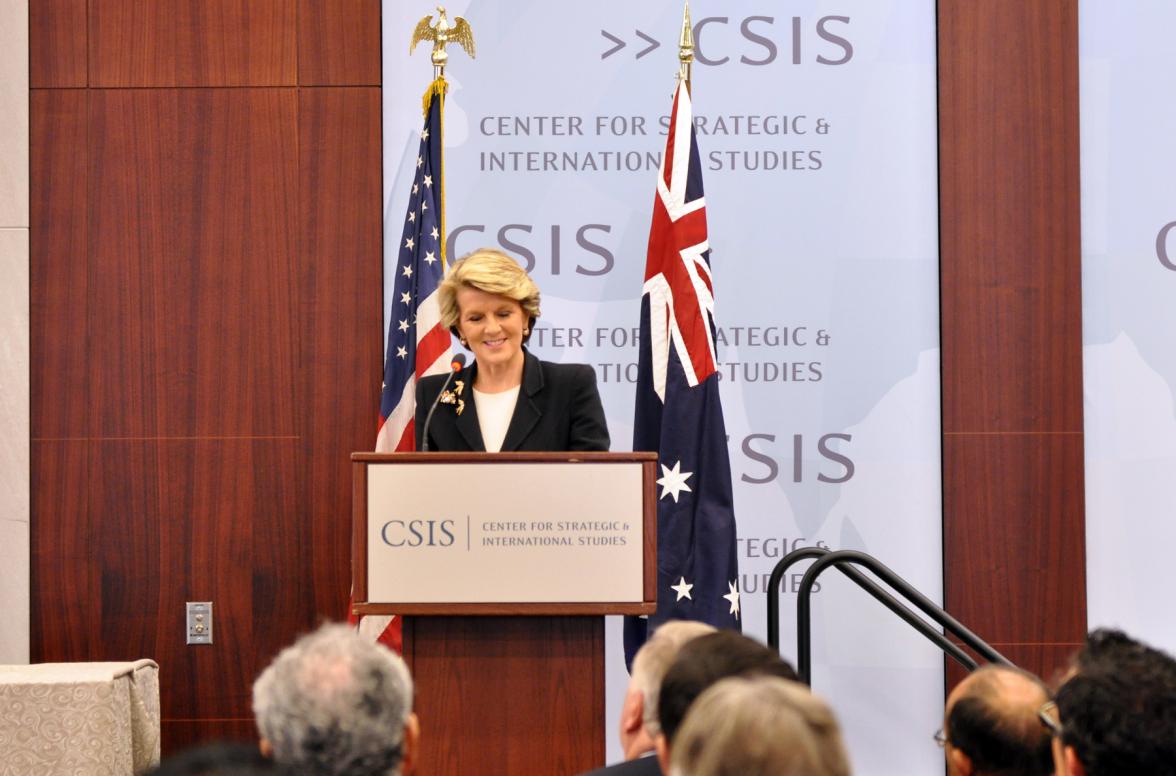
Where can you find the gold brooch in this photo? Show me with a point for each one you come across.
(453, 397)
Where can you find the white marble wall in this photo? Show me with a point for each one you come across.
(14, 331)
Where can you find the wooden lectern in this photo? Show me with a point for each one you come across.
(504, 566)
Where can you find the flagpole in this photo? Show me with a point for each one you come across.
(685, 47)
(440, 80)
(440, 35)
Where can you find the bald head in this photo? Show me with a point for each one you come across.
(992, 725)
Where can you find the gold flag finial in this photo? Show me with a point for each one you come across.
(441, 34)
(685, 46)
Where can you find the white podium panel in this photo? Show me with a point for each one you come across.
(483, 529)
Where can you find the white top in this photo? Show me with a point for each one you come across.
(494, 414)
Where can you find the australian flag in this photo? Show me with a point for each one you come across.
(678, 413)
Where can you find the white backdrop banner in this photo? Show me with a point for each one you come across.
(1129, 314)
(816, 125)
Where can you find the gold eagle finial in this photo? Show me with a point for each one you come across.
(441, 34)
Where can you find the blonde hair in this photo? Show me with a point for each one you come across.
(491, 271)
(759, 726)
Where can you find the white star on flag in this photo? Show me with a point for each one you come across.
(412, 216)
(407, 271)
(673, 481)
(424, 134)
(434, 233)
(406, 298)
(404, 325)
(420, 162)
(408, 243)
(428, 181)
(401, 352)
(733, 597)
(429, 257)
(682, 589)
(415, 188)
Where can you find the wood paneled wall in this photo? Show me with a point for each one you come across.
(1014, 528)
(206, 314)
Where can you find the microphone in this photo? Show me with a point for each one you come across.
(454, 367)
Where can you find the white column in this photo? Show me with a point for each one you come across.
(14, 331)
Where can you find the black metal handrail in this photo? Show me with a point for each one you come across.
(843, 561)
(865, 583)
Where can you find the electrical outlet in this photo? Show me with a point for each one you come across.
(199, 622)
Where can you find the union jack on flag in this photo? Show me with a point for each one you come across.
(418, 344)
(678, 413)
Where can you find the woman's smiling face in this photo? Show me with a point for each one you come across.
(492, 327)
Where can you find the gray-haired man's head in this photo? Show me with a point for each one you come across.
(335, 703)
(639, 723)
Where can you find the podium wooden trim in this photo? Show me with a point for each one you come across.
(507, 687)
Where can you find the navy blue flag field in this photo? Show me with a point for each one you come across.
(678, 413)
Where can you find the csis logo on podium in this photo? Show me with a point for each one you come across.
(419, 533)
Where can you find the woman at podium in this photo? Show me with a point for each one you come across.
(507, 400)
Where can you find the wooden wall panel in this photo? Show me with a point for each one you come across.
(145, 525)
(59, 210)
(95, 550)
(1011, 310)
(182, 314)
(1018, 580)
(206, 331)
(341, 244)
(1010, 201)
(230, 532)
(206, 43)
(180, 735)
(57, 32)
(167, 290)
(339, 42)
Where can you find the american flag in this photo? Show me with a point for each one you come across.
(418, 344)
(678, 414)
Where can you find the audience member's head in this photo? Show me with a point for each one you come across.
(700, 663)
(639, 723)
(759, 726)
(219, 759)
(1117, 709)
(335, 703)
(991, 725)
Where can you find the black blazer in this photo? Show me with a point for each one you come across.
(558, 409)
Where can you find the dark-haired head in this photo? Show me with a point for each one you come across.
(1118, 708)
(705, 660)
